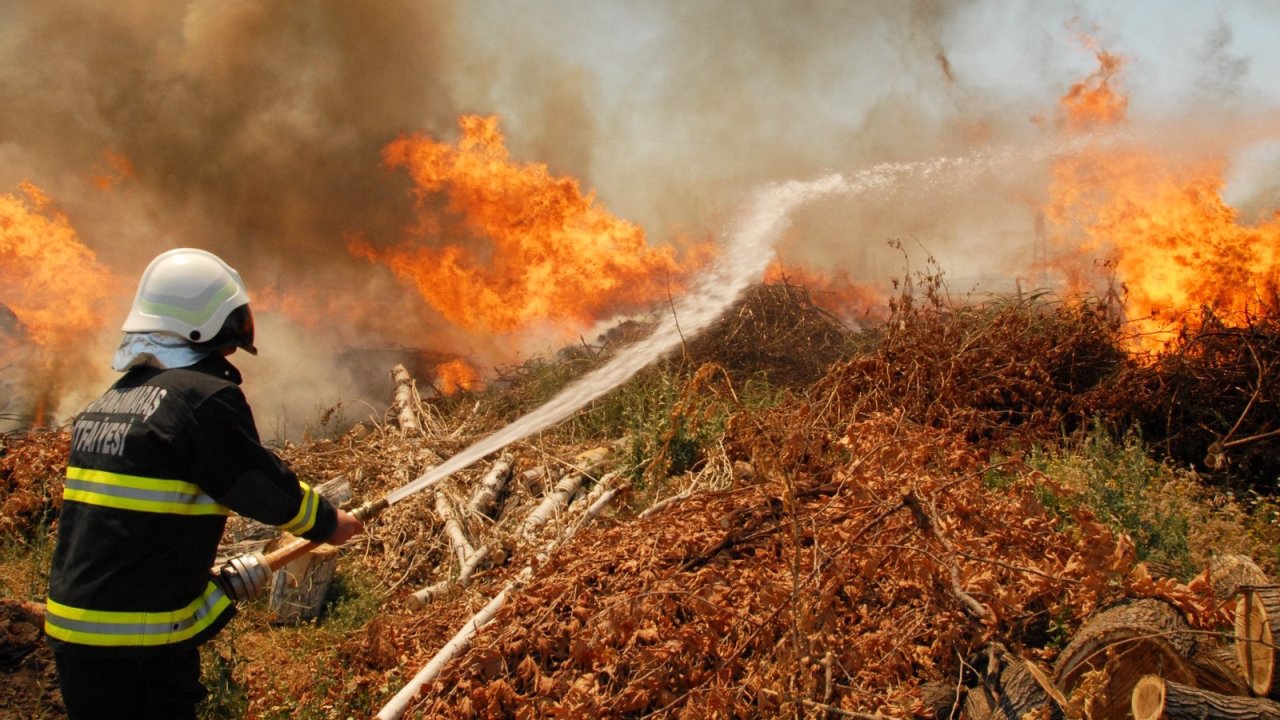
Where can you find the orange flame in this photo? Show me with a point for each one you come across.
(526, 247)
(1095, 100)
(51, 281)
(455, 375)
(1159, 222)
(54, 286)
(836, 293)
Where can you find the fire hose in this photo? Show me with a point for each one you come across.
(244, 577)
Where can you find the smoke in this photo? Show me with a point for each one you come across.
(254, 129)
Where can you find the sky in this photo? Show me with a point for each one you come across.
(255, 129)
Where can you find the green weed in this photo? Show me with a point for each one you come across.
(1173, 518)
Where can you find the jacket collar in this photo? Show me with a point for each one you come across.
(218, 366)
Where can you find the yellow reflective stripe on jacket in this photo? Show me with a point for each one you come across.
(308, 509)
(119, 629)
(131, 492)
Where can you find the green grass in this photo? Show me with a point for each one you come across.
(1172, 516)
(24, 564)
(353, 602)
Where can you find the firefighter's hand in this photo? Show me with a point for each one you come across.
(348, 527)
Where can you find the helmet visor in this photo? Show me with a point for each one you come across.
(236, 332)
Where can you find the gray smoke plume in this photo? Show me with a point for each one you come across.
(254, 129)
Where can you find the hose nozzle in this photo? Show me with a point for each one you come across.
(370, 510)
(244, 577)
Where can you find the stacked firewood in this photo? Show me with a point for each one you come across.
(1141, 659)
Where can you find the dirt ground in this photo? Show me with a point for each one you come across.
(26, 666)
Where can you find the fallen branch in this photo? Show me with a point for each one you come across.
(665, 502)
(395, 708)
(423, 597)
(925, 521)
(462, 548)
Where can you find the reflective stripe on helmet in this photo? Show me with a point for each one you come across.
(107, 628)
(307, 512)
(131, 492)
(194, 311)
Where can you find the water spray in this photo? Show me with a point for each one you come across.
(747, 255)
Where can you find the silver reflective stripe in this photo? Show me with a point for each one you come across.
(156, 496)
(132, 492)
(106, 628)
(163, 627)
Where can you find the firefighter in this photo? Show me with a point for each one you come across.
(156, 466)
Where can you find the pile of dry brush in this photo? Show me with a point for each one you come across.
(832, 554)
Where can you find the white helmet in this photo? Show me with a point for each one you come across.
(195, 295)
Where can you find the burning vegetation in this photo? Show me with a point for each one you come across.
(832, 502)
(950, 492)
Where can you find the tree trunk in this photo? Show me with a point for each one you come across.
(1155, 698)
(1125, 642)
(1257, 618)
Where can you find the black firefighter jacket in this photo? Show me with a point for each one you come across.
(156, 465)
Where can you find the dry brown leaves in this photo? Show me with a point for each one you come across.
(787, 592)
(987, 371)
(31, 471)
(775, 330)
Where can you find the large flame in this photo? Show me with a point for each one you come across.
(53, 284)
(503, 246)
(1158, 222)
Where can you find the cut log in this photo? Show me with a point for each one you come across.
(556, 500)
(485, 497)
(939, 699)
(1257, 619)
(1228, 573)
(534, 480)
(1125, 642)
(299, 588)
(1155, 697)
(1010, 694)
(1218, 670)
(405, 402)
